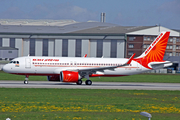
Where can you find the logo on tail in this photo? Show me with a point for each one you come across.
(155, 52)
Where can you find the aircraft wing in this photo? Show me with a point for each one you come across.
(101, 69)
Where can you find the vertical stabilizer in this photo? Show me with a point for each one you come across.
(155, 52)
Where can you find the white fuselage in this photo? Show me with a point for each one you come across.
(54, 65)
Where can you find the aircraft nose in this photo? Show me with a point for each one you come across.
(5, 68)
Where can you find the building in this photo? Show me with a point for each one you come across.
(8, 53)
(65, 38)
(140, 38)
(68, 38)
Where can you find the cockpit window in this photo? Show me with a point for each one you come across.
(15, 62)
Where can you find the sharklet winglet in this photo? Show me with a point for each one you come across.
(130, 59)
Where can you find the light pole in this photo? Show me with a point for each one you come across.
(146, 115)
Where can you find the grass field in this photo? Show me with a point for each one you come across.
(161, 78)
(78, 104)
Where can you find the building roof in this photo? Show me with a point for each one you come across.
(30, 22)
(27, 29)
(8, 48)
(113, 29)
(71, 27)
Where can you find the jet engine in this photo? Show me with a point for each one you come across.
(53, 78)
(69, 76)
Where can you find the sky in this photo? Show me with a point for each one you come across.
(120, 12)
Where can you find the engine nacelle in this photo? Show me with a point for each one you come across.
(53, 78)
(69, 76)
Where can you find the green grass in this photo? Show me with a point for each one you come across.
(160, 78)
(4, 61)
(49, 104)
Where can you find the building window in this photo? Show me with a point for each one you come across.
(32, 47)
(177, 40)
(145, 38)
(166, 54)
(177, 46)
(12, 42)
(170, 54)
(167, 47)
(9, 51)
(113, 48)
(174, 53)
(45, 47)
(0, 42)
(130, 53)
(65, 48)
(131, 46)
(78, 48)
(170, 47)
(132, 38)
(152, 38)
(177, 54)
(170, 40)
(144, 46)
(99, 48)
(174, 40)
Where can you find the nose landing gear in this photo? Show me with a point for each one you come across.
(26, 79)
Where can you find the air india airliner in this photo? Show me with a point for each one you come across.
(73, 69)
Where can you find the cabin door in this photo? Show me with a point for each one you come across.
(27, 63)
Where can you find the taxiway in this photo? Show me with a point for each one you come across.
(95, 85)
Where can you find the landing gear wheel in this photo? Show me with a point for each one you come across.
(26, 79)
(79, 82)
(88, 82)
(25, 82)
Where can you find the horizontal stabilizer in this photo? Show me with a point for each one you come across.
(159, 65)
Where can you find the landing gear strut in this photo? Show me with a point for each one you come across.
(26, 79)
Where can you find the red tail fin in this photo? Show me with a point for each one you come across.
(155, 52)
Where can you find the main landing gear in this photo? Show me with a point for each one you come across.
(79, 82)
(88, 82)
(26, 79)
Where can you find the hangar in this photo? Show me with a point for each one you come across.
(66, 38)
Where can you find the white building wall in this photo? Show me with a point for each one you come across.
(85, 47)
(18, 44)
(5, 42)
(120, 48)
(93, 48)
(154, 31)
(51, 47)
(25, 47)
(38, 47)
(58, 47)
(71, 47)
(106, 48)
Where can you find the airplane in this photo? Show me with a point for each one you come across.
(73, 69)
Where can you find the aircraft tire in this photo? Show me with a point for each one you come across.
(88, 82)
(25, 82)
(79, 82)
